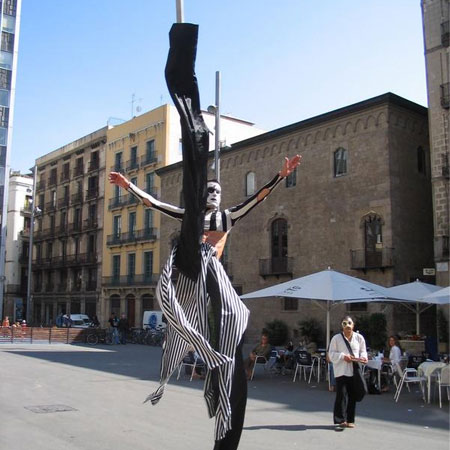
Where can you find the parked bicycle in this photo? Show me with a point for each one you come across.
(99, 335)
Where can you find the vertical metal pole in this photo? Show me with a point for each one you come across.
(217, 131)
(180, 11)
(30, 246)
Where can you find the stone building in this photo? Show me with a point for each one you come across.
(436, 20)
(360, 203)
(67, 253)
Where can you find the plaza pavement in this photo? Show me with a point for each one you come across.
(104, 387)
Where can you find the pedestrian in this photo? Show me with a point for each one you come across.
(114, 324)
(345, 348)
(123, 328)
(95, 322)
(263, 349)
(5, 322)
(204, 231)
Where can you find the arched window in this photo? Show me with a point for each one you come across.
(279, 245)
(421, 161)
(340, 162)
(250, 185)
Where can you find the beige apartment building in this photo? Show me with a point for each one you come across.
(360, 203)
(436, 20)
(131, 243)
(67, 252)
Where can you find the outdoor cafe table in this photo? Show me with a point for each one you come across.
(426, 369)
(376, 364)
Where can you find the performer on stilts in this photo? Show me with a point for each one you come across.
(202, 279)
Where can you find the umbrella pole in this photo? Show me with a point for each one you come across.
(417, 319)
(328, 324)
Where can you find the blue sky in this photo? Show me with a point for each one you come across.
(280, 62)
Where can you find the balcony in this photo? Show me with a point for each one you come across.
(40, 185)
(445, 95)
(275, 266)
(75, 227)
(92, 193)
(76, 198)
(445, 34)
(63, 202)
(151, 158)
(94, 164)
(78, 171)
(131, 237)
(118, 202)
(26, 210)
(50, 206)
(372, 259)
(65, 176)
(90, 224)
(25, 233)
(126, 280)
(132, 164)
(118, 168)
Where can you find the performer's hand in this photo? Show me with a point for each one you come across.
(119, 179)
(290, 165)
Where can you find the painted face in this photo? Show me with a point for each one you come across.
(214, 195)
(347, 324)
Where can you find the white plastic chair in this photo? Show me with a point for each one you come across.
(443, 381)
(266, 363)
(409, 376)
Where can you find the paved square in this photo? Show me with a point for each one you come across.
(106, 385)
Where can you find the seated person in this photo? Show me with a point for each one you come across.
(262, 349)
(191, 358)
(390, 364)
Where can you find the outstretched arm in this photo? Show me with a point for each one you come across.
(170, 210)
(239, 211)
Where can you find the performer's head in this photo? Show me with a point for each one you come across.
(214, 195)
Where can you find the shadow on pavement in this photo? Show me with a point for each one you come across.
(143, 363)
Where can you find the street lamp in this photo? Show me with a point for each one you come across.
(215, 109)
(34, 211)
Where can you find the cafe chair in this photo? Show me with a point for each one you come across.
(305, 362)
(443, 381)
(191, 363)
(267, 364)
(409, 376)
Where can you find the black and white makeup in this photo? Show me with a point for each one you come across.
(214, 195)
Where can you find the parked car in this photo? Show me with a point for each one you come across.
(80, 321)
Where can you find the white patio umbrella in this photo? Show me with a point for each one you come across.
(329, 286)
(413, 296)
(441, 297)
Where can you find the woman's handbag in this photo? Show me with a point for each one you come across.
(359, 382)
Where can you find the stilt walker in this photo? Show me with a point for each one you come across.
(202, 280)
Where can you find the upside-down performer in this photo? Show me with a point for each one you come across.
(202, 281)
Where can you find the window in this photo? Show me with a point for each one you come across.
(4, 116)
(150, 155)
(116, 267)
(132, 223)
(149, 182)
(5, 79)
(421, 161)
(53, 198)
(118, 162)
(373, 239)
(148, 266)
(4, 97)
(148, 219)
(340, 162)
(9, 7)
(49, 250)
(279, 245)
(291, 180)
(77, 219)
(117, 192)
(133, 156)
(290, 304)
(250, 186)
(131, 270)
(7, 42)
(91, 244)
(117, 226)
(76, 242)
(147, 302)
(63, 220)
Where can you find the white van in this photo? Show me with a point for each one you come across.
(153, 319)
(80, 321)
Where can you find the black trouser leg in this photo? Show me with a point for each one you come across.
(238, 399)
(345, 404)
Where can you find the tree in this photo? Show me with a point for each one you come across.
(278, 332)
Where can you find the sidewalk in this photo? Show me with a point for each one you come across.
(96, 394)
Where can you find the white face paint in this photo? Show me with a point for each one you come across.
(214, 195)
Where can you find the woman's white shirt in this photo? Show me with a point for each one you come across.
(338, 349)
